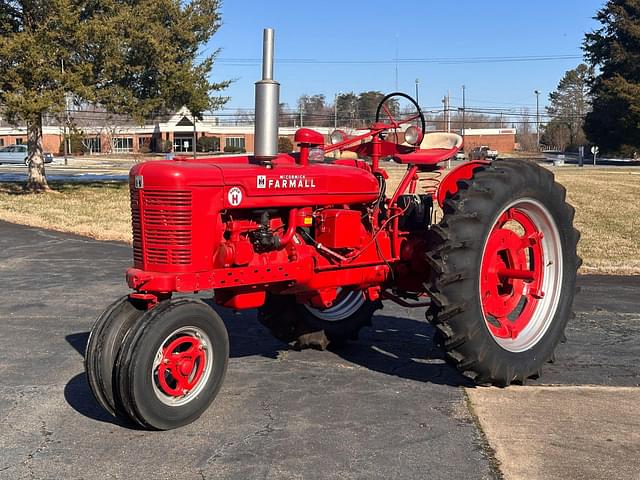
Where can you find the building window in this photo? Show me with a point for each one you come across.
(1, 142)
(92, 144)
(122, 145)
(19, 141)
(234, 144)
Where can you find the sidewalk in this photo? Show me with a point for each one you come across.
(581, 420)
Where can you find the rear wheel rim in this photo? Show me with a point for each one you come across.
(182, 366)
(346, 304)
(521, 275)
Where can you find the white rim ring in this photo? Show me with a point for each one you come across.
(553, 270)
(344, 307)
(205, 341)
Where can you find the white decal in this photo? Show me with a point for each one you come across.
(234, 196)
(291, 181)
(139, 181)
(261, 181)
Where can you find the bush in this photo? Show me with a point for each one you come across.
(208, 144)
(166, 146)
(232, 149)
(285, 145)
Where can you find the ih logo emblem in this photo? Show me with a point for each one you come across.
(234, 197)
(139, 181)
(261, 181)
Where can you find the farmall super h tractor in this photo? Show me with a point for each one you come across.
(314, 241)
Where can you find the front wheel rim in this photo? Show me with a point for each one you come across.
(521, 275)
(182, 366)
(346, 304)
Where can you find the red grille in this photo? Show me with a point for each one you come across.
(161, 227)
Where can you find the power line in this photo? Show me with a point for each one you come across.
(245, 62)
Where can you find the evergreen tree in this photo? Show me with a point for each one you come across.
(614, 50)
(132, 57)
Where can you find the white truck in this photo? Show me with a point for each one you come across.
(483, 152)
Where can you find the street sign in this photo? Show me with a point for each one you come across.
(595, 151)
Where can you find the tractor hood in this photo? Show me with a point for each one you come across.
(249, 184)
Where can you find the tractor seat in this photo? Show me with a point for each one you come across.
(435, 148)
(441, 140)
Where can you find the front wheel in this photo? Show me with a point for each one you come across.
(172, 364)
(503, 272)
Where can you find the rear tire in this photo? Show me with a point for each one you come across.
(508, 222)
(303, 326)
(172, 364)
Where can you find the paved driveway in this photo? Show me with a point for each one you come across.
(385, 408)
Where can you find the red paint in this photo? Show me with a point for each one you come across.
(309, 137)
(339, 228)
(511, 274)
(181, 367)
(200, 224)
(449, 184)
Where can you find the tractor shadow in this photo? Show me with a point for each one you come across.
(397, 346)
(77, 392)
(404, 348)
(394, 345)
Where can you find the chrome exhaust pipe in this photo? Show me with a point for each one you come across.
(267, 103)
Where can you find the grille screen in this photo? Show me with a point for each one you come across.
(161, 223)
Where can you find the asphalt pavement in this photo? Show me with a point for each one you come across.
(384, 407)
(387, 407)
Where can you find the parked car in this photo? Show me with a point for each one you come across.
(18, 154)
(483, 152)
(460, 156)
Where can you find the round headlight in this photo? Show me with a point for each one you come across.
(413, 136)
(337, 136)
(316, 155)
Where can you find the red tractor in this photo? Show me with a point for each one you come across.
(315, 243)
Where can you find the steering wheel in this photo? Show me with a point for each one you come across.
(396, 123)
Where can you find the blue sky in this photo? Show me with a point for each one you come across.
(346, 31)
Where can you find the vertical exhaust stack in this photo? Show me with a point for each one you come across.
(267, 103)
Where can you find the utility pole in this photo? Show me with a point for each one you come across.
(464, 109)
(417, 91)
(66, 119)
(301, 123)
(335, 110)
(537, 92)
(448, 112)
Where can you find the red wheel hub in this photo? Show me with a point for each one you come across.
(511, 274)
(181, 366)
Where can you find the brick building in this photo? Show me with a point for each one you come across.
(501, 139)
(99, 132)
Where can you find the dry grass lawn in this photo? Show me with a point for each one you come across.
(98, 210)
(607, 202)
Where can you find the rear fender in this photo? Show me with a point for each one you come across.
(449, 184)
